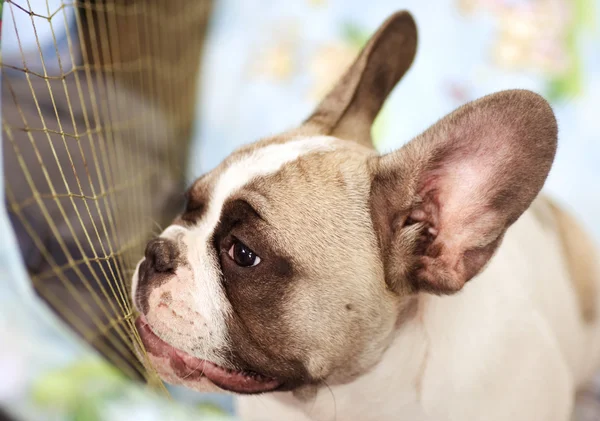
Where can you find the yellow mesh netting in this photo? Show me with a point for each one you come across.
(94, 152)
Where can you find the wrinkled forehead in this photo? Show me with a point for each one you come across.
(248, 165)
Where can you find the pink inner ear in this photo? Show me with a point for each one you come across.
(458, 193)
(457, 196)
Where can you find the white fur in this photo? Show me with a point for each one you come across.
(207, 295)
(469, 357)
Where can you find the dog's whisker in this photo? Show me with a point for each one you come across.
(160, 228)
(332, 397)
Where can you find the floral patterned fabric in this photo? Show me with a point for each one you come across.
(267, 65)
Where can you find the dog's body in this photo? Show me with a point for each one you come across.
(309, 267)
(518, 353)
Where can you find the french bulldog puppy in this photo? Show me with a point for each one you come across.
(427, 284)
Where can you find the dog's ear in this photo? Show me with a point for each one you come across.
(350, 108)
(442, 203)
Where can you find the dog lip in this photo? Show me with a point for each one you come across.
(190, 368)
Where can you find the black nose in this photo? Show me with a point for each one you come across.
(161, 254)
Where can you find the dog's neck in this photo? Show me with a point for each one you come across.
(396, 378)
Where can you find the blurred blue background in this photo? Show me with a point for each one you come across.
(268, 63)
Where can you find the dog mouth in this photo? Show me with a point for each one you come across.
(189, 368)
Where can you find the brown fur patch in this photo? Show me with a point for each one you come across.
(258, 294)
(580, 255)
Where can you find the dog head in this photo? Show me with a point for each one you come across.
(299, 256)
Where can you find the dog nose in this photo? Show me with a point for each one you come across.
(161, 254)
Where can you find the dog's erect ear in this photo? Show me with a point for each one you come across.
(351, 106)
(442, 203)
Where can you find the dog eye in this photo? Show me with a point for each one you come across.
(242, 255)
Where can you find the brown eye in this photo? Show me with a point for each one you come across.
(242, 255)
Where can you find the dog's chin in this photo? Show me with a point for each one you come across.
(177, 367)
